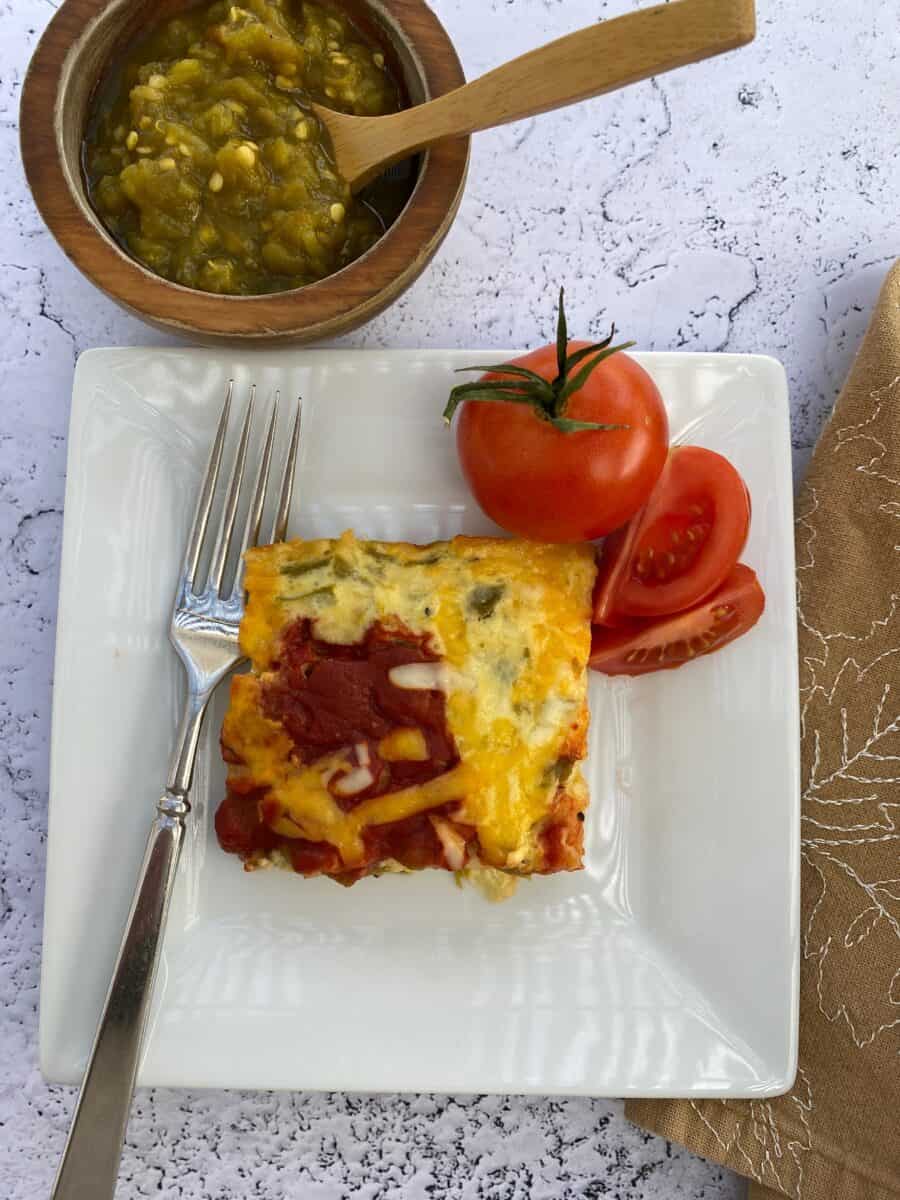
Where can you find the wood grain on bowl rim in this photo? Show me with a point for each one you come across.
(51, 148)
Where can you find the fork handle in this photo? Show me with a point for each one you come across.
(90, 1162)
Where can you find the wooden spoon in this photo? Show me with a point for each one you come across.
(606, 56)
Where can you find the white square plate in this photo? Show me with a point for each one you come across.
(667, 967)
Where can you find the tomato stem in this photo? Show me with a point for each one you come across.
(562, 337)
(548, 397)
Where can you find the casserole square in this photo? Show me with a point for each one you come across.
(411, 707)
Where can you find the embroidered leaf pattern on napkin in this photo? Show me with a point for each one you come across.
(836, 1132)
(850, 697)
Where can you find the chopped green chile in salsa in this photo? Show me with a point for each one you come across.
(206, 163)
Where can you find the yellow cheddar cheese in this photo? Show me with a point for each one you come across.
(507, 627)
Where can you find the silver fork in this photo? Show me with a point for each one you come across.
(204, 632)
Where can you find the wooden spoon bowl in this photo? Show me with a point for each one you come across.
(74, 54)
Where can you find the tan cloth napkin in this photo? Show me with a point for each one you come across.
(836, 1135)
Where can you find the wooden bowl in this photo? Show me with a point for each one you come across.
(72, 57)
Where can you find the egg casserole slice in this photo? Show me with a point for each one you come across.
(409, 707)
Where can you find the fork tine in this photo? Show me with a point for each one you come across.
(226, 528)
(279, 528)
(255, 512)
(207, 492)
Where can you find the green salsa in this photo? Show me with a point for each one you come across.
(206, 163)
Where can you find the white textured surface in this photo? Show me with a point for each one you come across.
(747, 204)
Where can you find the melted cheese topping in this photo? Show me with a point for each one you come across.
(511, 621)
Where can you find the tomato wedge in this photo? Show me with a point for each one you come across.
(672, 641)
(681, 545)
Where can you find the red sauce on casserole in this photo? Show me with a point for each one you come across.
(332, 698)
(329, 696)
(239, 827)
(412, 842)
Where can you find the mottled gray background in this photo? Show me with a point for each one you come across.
(746, 204)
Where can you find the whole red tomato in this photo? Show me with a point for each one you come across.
(564, 444)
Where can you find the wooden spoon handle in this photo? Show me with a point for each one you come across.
(599, 59)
